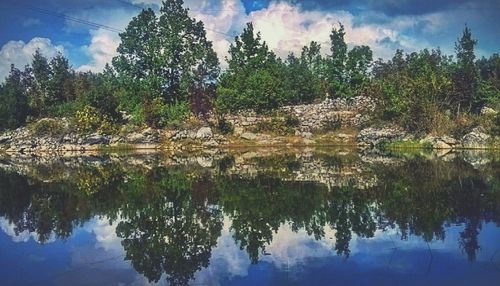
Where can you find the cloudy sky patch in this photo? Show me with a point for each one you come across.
(286, 25)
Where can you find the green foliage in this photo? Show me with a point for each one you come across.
(495, 128)
(167, 55)
(415, 90)
(47, 126)
(98, 91)
(489, 84)
(60, 86)
(13, 100)
(278, 125)
(159, 114)
(90, 120)
(465, 74)
(346, 72)
(406, 144)
(302, 85)
(260, 90)
(66, 109)
(254, 79)
(167, 70)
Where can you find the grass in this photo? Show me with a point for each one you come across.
(121, 147)
(406, 144)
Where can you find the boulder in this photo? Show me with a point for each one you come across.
(436, 142)
(5, 138)
(248, 136)
(204, 133)
(488, 110)
(135, 138)
(476, 139)
(374, 136)
(147, 136)
(95, 139)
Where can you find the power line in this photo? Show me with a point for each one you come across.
(90, 23)
(66, 17)
(209, 29)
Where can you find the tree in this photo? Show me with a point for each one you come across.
(489, 84)
(311, 57)
(358, 62)
(14, 101)
(302, 85)
(337, 61)
(254, 78)
(347, 70)
(60, 85)
(41, 72)
(465, 77)
(167, 56)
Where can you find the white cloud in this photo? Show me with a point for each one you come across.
(103, 43)
(101, 50)
(20, 53)
(284, 26)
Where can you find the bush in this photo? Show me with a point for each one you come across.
(90, 120)
(225, 127)
(495, 128)
(261, 91)
(277, 125)
(47, 126)
(157, 113)
(66, 109)
(291, 120)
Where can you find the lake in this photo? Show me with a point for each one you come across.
(251, 217)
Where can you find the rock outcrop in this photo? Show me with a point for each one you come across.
(476, 139)
(373, 136)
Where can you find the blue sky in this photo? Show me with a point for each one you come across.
(286, 25)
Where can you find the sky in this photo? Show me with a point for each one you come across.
(286, 25)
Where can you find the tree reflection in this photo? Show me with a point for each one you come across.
(171, 217)
(166, 231)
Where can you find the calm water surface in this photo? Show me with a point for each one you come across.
(254, 218)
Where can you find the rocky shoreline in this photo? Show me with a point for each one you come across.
(313, 128)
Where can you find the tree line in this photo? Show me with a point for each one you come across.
(166, 70)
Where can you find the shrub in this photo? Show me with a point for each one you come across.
(47, 126)
(225, 127)
(261, 91)
(277, 125)
(495, 128)
(90, 120)
(291, 120)
(157, 113)
(66, 109)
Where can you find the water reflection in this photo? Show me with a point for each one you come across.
(250, 218)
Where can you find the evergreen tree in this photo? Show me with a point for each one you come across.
(255, 77)
(336, 62)
(465, 77)
(14, 101)
(60, 86)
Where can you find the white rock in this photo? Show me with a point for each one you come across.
(204, 133)
(249, 136)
